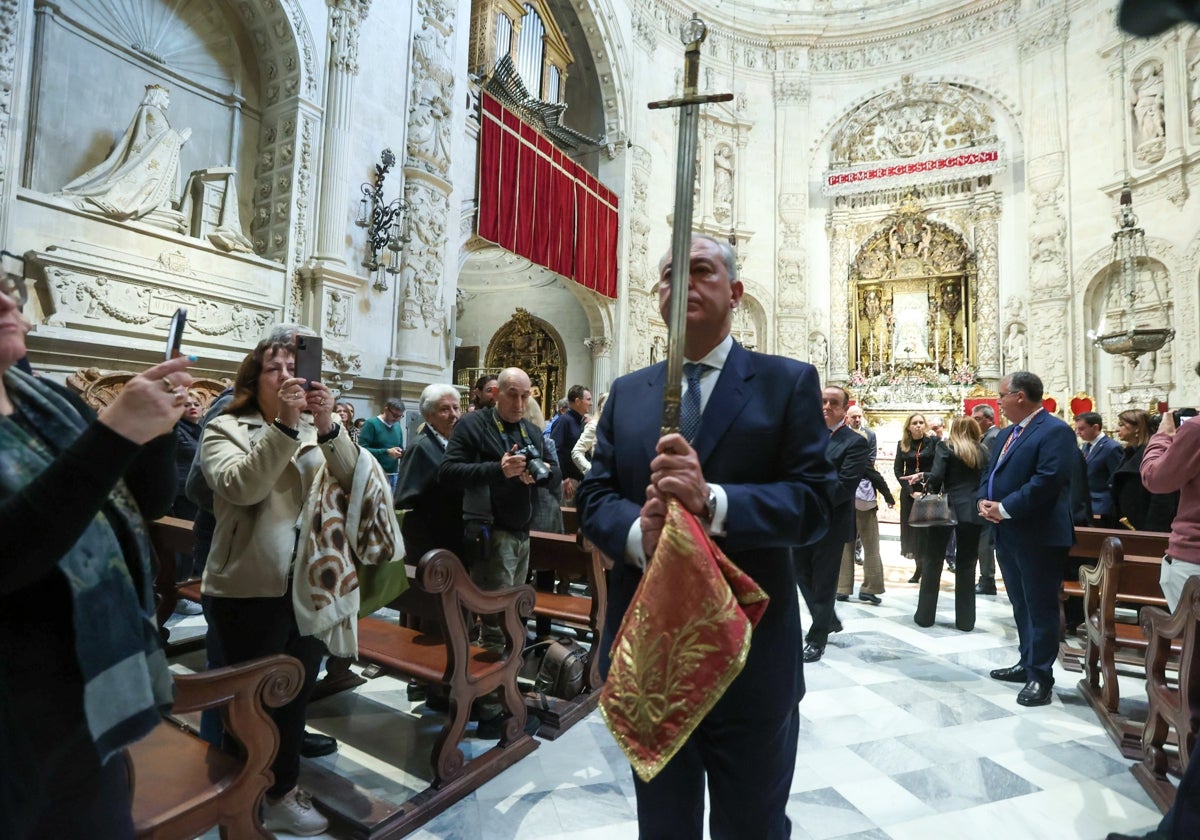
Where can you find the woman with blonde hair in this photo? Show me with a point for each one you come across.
(914, 456)
(581, 453)
(957, 466)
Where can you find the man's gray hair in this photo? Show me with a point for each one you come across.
(1030, 384)
(434, 394)
(986, 410)
(728, 255)
(395, 402)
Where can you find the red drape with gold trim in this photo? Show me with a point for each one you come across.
(683, 641)
(538, 203)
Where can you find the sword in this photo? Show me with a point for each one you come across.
(692, 35)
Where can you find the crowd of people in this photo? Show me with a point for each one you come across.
(476, 482)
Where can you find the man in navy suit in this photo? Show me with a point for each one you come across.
(755, 474)
(818, 565)
(1025, 494)
(1103, 456)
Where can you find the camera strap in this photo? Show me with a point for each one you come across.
(505, 435)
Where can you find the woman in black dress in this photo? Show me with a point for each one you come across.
(955, 472)
(914, 456)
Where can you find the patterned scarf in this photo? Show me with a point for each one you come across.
(126, 681)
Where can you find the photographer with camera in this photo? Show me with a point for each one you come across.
(497, 458)
(1172, 463)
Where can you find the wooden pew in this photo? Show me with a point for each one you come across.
(1117, 578)
(1088, 542)
(467, 672)
(566, 557)
(183, 786)
(170, 536)
(1174, 710)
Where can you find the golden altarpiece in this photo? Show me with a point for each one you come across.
(913, 287)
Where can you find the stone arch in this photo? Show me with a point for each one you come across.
(1106, 376)
(891, 94)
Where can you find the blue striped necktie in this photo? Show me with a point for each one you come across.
(689, 409)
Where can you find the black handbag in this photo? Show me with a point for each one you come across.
(931, 510)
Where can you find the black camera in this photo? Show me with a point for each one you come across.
(534, 465)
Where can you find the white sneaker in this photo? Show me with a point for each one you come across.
(295, 814)
(186, 607)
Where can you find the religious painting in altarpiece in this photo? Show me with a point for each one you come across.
(525, 342)
(912, 287)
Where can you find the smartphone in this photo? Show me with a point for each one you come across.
(175, 332)
(308, 359)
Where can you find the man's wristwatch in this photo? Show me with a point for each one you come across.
(710, 504)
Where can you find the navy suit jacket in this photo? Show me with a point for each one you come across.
(762, 438)
(1102, 462)
(1032, 482)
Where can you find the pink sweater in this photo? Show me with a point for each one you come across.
(1170, 464)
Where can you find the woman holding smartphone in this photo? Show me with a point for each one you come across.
(261, 458)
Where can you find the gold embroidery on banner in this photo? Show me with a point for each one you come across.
(665, 679)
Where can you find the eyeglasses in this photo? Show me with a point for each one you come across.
(1005, 394)
(14, 285)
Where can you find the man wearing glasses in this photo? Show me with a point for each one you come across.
(1025, 494)
(383, 437)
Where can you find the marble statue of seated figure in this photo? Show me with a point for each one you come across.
(140, 174)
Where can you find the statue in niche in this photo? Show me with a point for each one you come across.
(140, 176)
(818, 352)
(723, 183)
(1147, 103)
(1015, 347)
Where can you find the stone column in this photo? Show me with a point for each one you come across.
(601, 347)
(987, 297)
(345, 20)
(792, 94)
(839, 306)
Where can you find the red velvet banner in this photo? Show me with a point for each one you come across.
(538, 203)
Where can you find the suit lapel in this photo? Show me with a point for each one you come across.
(726, 402)
(655, 385)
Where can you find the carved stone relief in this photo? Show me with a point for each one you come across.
(641, 268)
(1047, 245)
(818, 353)
(430, 114)
(986, 223)
(914, 119)
(1193, 82)
(8, 70)
(911, 45)
(424, 259)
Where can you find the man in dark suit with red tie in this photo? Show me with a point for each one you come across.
(1025, 494)
(749, 462)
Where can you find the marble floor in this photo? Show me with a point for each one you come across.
(902, 736)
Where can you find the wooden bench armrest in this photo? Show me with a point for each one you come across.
(242, 692)
(441, 574)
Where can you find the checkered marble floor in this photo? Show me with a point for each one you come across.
(903, 735)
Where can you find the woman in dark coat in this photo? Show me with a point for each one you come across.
(1143, 510)
(955, 472)
(914, 455)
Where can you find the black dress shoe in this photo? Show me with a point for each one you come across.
(1014, 674)
(916, 578)
(836, 626)
(1152, 835)
(869, 598)
(316, 745)
(1035, 693)
(812, 652)
(842, 597)
(986, 586)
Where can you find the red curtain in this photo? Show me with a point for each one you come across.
(538, 203)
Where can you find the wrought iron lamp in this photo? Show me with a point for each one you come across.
(386, 223)
(1129, 255)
